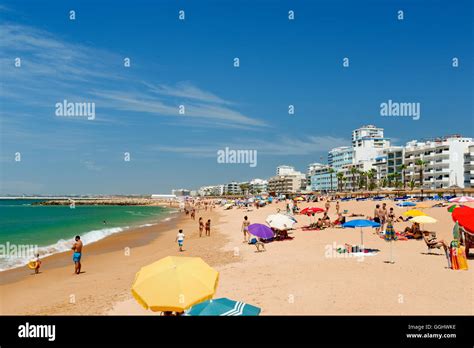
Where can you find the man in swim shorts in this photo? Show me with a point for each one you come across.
(77, 248)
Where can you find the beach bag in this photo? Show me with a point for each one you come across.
(461, 257)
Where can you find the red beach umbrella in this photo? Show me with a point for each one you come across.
(465, 217)
(311, 210)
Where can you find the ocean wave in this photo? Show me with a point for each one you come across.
(60, 246)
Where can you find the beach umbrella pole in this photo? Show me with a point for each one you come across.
(361, 238)
(391, 251)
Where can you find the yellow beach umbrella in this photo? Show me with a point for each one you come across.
(424, 219)
(174, 283)
(413, 212)
(299, 199)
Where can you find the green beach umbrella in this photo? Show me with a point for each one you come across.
(452, 207)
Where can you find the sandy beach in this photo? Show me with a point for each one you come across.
(292, 277)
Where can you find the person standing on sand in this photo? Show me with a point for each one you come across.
(382, 216)
(327, 205)
(201, 226)
(208, 228)
(180, 239)
(193, 214)
(77, 248)
(245, 229)
(376, 217)
(337, 208)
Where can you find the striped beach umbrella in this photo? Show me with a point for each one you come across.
(223, 307)
(463, 199)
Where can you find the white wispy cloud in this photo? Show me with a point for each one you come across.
(53, 69)
(285, 146)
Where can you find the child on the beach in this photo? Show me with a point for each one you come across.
(208, 228)
(180, 239)
(38, 263)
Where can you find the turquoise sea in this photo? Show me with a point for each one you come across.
(52, 228)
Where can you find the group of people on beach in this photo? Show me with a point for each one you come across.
(190, 209)
(76, 256)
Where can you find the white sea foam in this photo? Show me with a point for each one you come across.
(63, 245)
(60, 246)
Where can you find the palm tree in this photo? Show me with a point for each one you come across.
(353, 171)
(331, 172)
(412, 184)
(370, 177)
(390, 178)
(340, 177)
(383, 182)
(397, 182)
(402, 168)
(421, 169)
(344, 179)
(244, 188)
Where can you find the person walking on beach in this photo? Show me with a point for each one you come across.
(337, 207)
(208, 228)
(327, 205)
(180, 239)
(193, 214)
(245, 229)
(201, 226)
(77, 248)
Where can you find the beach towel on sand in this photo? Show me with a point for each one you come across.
(458, 258)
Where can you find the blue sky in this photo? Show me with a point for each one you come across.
(191, 63)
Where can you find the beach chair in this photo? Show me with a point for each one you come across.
(429, 245)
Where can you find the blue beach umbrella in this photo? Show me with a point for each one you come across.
(361, 223)
(223, 307)
(406, 204)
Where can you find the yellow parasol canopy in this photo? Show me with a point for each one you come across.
(174, 283)
(424, 219)
(413, 212)
(298, 199)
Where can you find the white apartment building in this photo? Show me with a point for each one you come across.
(340, 156)
(389, 162)
(258, 186)
(215, 190)
(285, 170)
(444, 158)
(469, 167)
(354, 178)
(290, 183)
(233, 188)
(368, 143)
